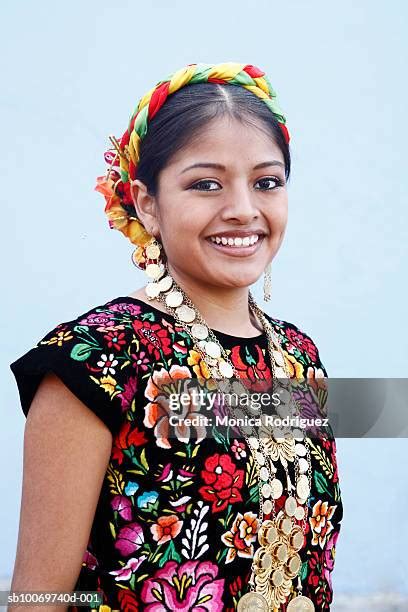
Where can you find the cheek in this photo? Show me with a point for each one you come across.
(277, 213)
(180, 231)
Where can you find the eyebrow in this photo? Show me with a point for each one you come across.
(265, 164)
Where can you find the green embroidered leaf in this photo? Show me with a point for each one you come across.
(218, 437)
(254, 494)
(170, 554)
(81, 352)
(303, 571)
(320, 482)
(337, 493)
(113, 530)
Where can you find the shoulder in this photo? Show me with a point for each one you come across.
(93, 354)
(298, 345)
(107, 324)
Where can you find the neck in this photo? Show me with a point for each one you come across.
(225, 310)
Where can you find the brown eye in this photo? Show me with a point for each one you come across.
(267, 181)
(204, 185)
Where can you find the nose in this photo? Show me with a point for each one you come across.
(240, 205)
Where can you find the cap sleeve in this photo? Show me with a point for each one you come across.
(88, 355)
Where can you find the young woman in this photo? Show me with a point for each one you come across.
(119, 496)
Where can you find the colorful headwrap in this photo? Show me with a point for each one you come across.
(123, 157)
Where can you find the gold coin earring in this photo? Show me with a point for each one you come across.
(148, 258)
(267, 286)
(154, 267)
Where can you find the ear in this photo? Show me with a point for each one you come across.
(145, 206)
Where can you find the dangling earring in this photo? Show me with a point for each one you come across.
(148, 258)
(267, 283)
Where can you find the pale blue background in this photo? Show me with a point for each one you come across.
(71, 74)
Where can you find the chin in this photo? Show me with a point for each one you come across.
(240, 279)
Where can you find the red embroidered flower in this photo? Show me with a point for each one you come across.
(254, 371)
(125, 438)
(153, 336)
(115, 339)
(315, 569)
(301, 342)
(223, 482)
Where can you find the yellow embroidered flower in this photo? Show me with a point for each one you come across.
(108, 384)
(200, 368)
(62, 336)
(294, 367)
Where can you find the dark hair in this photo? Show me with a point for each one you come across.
(188, 111)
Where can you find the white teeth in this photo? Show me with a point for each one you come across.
(247, 241)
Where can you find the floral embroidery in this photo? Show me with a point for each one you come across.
(190, 586)
(320, 522)
(241, 536)
(223, 482)
(166, 528)
(176, 522)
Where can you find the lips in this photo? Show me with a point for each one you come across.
(235, 241)
(236, 245)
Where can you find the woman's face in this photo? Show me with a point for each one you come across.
(223, 220)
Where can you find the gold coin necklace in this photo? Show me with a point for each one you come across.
(277, 562)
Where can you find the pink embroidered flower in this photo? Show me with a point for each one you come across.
(140, 361)
(123, 506)
(238, 448)
(300, 341)
(98, 318)
(90, 560)
(329, 556)
(190, 587)
(129, 539)
(126, 572)
(132, 309)
(128, 394)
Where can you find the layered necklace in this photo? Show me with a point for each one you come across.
(276, 562)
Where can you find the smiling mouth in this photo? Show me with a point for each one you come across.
(237, 245)
(236, 241)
